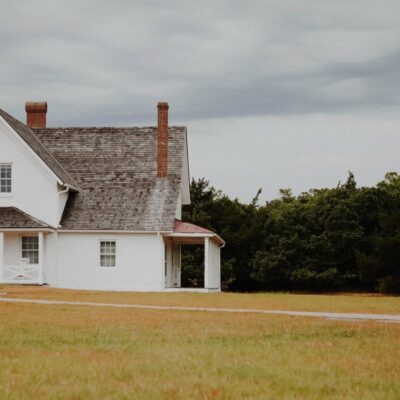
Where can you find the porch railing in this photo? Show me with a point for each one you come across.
(22, 274)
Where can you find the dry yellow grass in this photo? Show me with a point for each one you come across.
(363, 303)
(74, 352)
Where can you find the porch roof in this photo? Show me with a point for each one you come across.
(186, 230)
(14, 218)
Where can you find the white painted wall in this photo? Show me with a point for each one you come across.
(140, 262)
(12, 248)
(72, 260)
(34, 187)
(1, 254)
(50, 257)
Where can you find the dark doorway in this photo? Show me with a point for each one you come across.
(192, 266)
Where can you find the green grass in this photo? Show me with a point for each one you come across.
(74, 352)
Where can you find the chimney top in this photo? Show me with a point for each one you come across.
(36, 114)
(36, 106)
(163, 105)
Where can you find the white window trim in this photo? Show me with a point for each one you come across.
(103, 267)
(10, 194)
(20, 247)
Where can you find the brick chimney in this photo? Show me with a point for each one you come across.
(36, 114)
(162, 140)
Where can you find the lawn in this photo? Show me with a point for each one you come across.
(359, 303)
(75, 352)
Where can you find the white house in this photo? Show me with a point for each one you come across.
(96, 208)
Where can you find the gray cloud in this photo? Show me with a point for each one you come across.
(99, 62)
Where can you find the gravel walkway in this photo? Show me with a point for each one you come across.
(327, 315)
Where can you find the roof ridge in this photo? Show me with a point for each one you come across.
(107, 127)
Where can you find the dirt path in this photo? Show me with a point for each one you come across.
(327, 315)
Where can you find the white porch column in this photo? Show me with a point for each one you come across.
(1, 256)
(212, 265)
(41, 256)
(207, 262)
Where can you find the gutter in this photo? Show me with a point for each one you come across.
(68, 188)
(111, 231)
(27, 229)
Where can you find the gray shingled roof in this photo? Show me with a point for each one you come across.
(116, 170)
(12, 217)
(31, 139)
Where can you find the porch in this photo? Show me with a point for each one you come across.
(22, 247)
(189, 234)
(22, 257)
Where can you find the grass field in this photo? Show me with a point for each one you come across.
(363, 303)
(75, 352)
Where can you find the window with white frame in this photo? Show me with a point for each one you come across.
(5, 178)
(108, 253)
(30, 249)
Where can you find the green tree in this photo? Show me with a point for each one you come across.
(343, 238)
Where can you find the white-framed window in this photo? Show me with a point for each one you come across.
(5, 178)
(30, 249)
(108, 253)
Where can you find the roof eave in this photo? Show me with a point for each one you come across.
(213, 236)
(6, 229)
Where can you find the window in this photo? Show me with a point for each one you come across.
(5, 178)
(107, 253)
(30, 249)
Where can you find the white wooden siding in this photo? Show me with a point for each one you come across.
(34, 187)
(140, 263)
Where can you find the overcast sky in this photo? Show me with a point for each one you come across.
(275, 94)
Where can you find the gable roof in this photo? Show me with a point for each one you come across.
(35, 144)
(116, 170)
(12, 217)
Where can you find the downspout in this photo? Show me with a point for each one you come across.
(66, 190)
(164, 255)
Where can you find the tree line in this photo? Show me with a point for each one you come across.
(331, 239)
